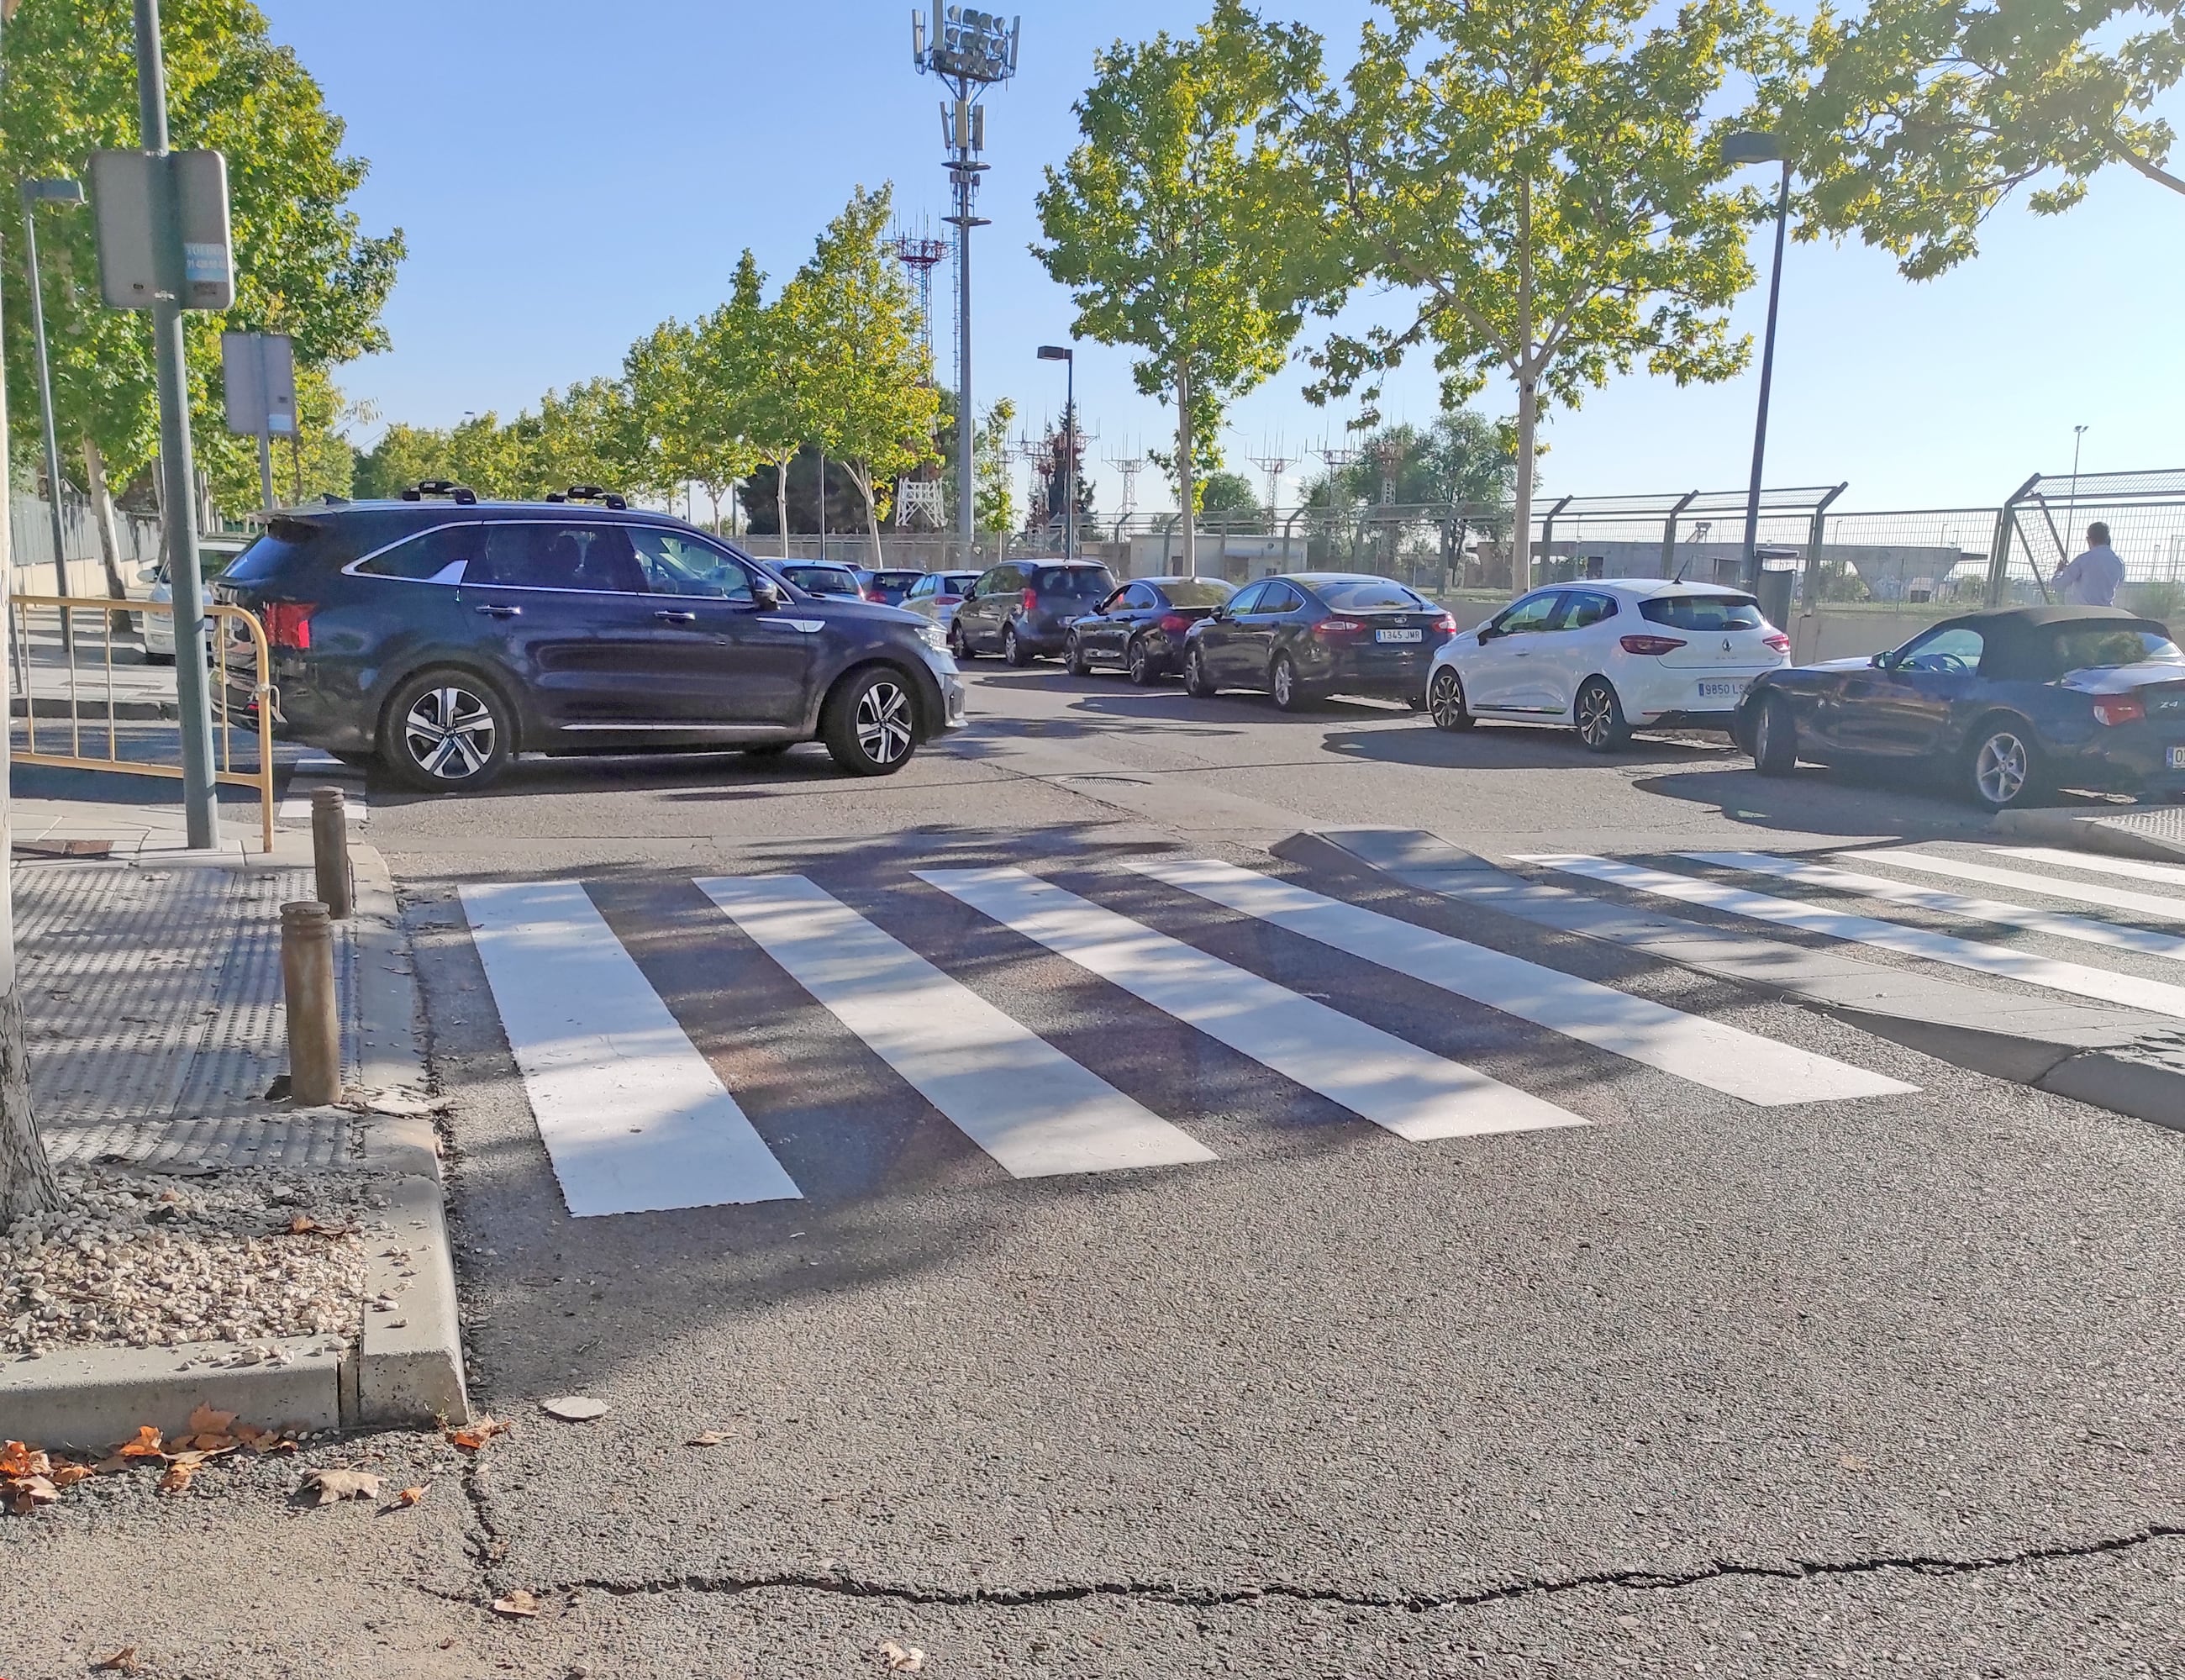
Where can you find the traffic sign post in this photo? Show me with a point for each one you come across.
(258, 377)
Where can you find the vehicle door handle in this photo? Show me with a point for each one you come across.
(494, 610)
(677, 617)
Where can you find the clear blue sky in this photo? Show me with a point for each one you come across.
(568, 175)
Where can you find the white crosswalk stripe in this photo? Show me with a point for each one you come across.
(1373, 1073)
(1015, 1096)
(1743, 1064)
(2106, 984)
(2050, 922)
(2162, 907)
(2131, 868)
(633, 1119)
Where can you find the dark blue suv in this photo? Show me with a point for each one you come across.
(441, 635)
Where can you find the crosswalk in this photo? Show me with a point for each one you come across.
(322, 770)
(645, 1103)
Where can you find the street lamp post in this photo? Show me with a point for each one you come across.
(36, 193)
(2071, 507)
(1065, 354)
(1760, 147)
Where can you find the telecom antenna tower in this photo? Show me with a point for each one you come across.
(969, 51)
(920, 255)
(1274, 463)
(1128, 464)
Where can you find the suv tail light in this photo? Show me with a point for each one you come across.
(1329, 628)
(1031, 600)
(1175, 623)
(2114, 709)
(1779, 641)
(289, 624)
(1655, 644)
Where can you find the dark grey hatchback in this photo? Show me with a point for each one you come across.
(442, 635)
(1021, 608)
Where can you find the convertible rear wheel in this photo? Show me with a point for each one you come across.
(2003, 765)
(1774, 739)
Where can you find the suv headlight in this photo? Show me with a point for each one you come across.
(930, 634)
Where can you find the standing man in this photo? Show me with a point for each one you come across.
(2092, 579)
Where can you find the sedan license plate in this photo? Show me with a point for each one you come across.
(1399, 636)
(2177, 757)
(1721, 690)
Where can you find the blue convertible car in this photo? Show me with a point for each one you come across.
(2005, 706)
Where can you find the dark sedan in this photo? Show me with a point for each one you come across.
(2006, 705)
(1312, 634)
(1140, 628)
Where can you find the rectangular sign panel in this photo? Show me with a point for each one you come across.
(121, 206)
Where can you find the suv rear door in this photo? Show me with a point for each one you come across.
(718, 658)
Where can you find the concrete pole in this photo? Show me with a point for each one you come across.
(330, 851)
(307, 980)
(177, 467)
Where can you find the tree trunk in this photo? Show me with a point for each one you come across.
(862, 478)
(102, 515)
(1186, 482)
(1521, 524)
(27, 1184)
(781, 501)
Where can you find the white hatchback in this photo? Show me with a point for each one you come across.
(1607, 656)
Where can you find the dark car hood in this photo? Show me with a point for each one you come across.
(849, 608)
(2124, 679)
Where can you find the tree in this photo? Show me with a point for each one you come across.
(729, 366)
(1171, 222)
(871, 381)
(303, 265)
(1927, 113)
(1462, 458)
(1228, 493)
(1544, 181)
(995, 506)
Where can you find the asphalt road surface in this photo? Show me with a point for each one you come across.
(1099, 1245)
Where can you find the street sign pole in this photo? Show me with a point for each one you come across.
(265, 465)
(177, 469)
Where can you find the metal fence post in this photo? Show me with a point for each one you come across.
(1521, 567)
(1669, 534)
(1998, 559)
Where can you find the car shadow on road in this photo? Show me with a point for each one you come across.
(1859, 801)
(1518, 746)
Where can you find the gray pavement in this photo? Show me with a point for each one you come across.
(1884, 1385)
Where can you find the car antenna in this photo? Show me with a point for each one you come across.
(1681, 565)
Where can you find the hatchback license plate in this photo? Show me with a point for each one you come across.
(1399, 636)
(1721, 690)
(2177, 757)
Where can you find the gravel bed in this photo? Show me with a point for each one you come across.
(134, 1259)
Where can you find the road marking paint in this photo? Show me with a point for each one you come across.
(2104, 984)
(1375, 1075)
(2133, 868)
(296, 808)
(2050, 922)
(1738, 1064)
(2160, 906)
(633, 1119)
(1019, 1098)
(326, 764)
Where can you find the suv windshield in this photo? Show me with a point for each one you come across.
(1091, 581)
(1367, 595)
(1702, 612)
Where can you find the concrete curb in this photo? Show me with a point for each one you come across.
(2128, 1062)
(2105, 831)
(86, 1399)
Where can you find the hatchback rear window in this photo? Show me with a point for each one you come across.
(1074, 580)
(896, 580)
(285, 541)
(821, 580)
(1368, 595)
(1702, 612)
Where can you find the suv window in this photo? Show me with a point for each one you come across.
(1702, 612)
(595, 559)
(674, 564)
(426, 556)
(1090, 581)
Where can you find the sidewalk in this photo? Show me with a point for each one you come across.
(133, 688)
(2155, 833)
(220, 1246)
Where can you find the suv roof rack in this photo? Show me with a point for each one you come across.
(461, 494)
(587, 493)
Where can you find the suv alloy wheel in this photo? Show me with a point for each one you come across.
(447, 731)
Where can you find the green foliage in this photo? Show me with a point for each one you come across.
(1922, 115)
(995, 506)
(1462, 458)
(1230, 492)
(303, 265)
(1171, 223)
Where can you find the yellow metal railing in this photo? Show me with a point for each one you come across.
(73, 660)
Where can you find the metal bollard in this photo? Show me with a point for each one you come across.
(307, 977)
(330, 851)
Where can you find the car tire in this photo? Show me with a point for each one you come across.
(870, 722)
(1074, 657)
(1774, 745)
(959, 644)
(1196, 683)
(1140, 664)
(158, 659)
(447, 731)
(1446, 704)
(2001, 768)
(1013, 651)
(1599, 717)
(1286, 687)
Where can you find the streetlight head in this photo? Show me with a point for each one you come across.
(1751, 146)
(57, 191)
(1054, 352)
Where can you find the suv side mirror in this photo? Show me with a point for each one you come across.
(1883, 662)
(765, 596)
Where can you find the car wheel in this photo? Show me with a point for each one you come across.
(1600, 716)
(1774, 738)
(1445, 700)
(959, 644)
(869, 723)
(2002, 766)
(447, 732)
(1075, 657)
(1013, 650)
(1196, 683)
(1289, 693)
(1142, 664)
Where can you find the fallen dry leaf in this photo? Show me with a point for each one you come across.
(896, 1660)
(68, 1475)
(146, 1445)
(710, 1438)
(112, 1464)
(472, 1436)
(517, 1602)
(331, 1485)
(410, 1496)
(304, 1225)
(176, 1477)
(123, 1661)
(18, 1459)
(204, 1421)
(26, 1493)
(253, 1437)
